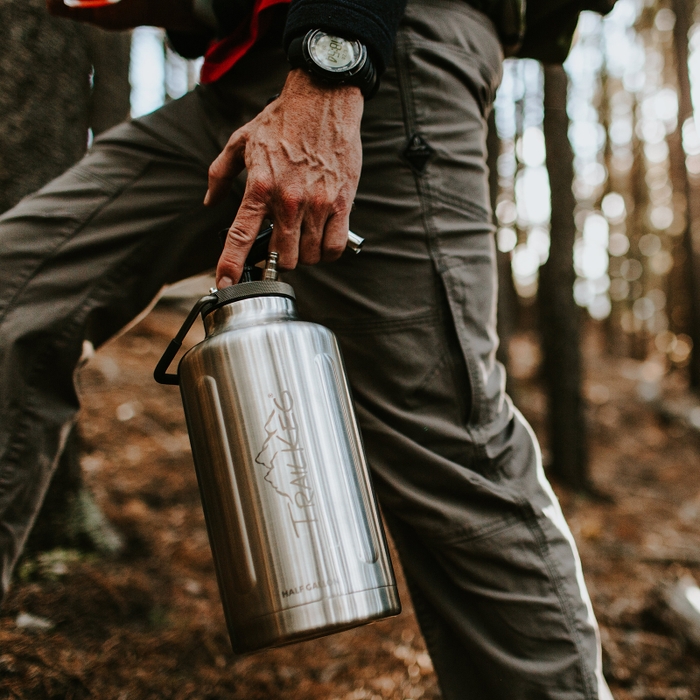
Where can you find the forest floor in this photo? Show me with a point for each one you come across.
(148, 624)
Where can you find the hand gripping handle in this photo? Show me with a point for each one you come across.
(257, 253)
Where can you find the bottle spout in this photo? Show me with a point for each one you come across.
(270, 273)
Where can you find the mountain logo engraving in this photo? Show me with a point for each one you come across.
(284, 460)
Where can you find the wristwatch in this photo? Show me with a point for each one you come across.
(334, 61)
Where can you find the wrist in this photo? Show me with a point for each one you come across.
(301, 85)
(311, 105)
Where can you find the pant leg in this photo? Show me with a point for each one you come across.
(491, 565)
(85, 255)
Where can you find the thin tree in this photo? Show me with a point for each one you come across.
(507, 317)
(560, 318)
(683, 10)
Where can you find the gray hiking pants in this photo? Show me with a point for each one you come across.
(492, 567)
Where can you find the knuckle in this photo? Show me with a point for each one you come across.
(216, 170)
(342, 204)
(310, 257)
(332, 251)
(334, 248)
(319, 202)
(315, 260)
(227, 267)
(290, 200)
(227, 264)
(235, 140)
(237, 237)
(288, 261)
(258, 188)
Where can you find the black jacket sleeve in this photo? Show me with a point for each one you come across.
(373, 22)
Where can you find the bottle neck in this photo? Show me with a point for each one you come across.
(253, 311)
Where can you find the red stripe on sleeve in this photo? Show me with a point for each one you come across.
(222, 55)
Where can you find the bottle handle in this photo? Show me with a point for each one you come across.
(160, 374)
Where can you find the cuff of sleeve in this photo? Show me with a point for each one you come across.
(348, 21)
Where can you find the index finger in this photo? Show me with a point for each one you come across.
(239, 240)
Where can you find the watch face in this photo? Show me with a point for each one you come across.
(333, 53)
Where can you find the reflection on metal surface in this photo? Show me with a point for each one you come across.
(227, 507)
(355, 495)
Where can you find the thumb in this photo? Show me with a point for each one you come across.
(227, 166)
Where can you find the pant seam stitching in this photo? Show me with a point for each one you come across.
(535, 528)
(466, 207)
(424, 191)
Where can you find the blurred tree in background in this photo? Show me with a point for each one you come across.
(62, 84)
(683, 20)
(59, 79)
(559, 317)
(610, 218)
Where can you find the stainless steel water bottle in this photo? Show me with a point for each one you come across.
(293, 524)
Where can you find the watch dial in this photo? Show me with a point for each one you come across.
(333, 53)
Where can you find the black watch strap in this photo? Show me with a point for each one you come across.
(363, 76)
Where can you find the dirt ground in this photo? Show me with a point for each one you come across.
(148, 623)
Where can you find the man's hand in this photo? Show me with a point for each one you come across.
(171, 14)
(303, 155)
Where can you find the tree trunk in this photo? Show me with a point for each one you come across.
(559, 315)
(47, 104)
(507, 316)
(683, 11)
(110, 54)
(47, 101)
(44, 73)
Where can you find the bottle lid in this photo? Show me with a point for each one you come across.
(247, 290)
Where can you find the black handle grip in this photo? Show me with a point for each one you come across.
(160, 373)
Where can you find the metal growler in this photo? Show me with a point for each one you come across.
(293, 525)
